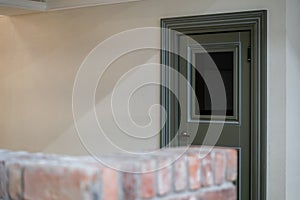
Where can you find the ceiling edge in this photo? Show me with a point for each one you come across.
(24, 4)
(69, 4)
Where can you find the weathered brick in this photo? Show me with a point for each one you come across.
(180, 174)
(232, 165)
(3, 193)
(12, 163)
(194, 171)
(207, 171)
(226, 193)
(48, 177)
(220, 167)
(14, 171)
(147, 185)
(164, 183)
(109, 184)
(50, 181)
(129, 184)
(147, 179)
(5, 156)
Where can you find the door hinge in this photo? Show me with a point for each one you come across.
(249, 54)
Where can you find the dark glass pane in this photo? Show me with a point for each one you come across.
(224, 62)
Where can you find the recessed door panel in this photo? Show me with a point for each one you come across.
(226, 58)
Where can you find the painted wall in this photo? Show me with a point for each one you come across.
(41, 53)
(293, 96)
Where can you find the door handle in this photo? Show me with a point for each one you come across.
(185, 134)
(184, 139)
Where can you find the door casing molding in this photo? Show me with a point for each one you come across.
(256, 23)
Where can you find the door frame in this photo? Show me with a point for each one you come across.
(256, 23)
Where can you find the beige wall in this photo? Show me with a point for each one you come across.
(41, 53)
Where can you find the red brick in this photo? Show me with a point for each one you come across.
(109, 184)
(50, 181)
(129, 184)
(228, 193)
(14, 180)
(2, 180)
(147, 185)
(180, 174)
(164, 183)
(56, 177)
(5, 156)
(147, 179)
(220, 167)
(194, 171)
(232, 165)
(207, 171)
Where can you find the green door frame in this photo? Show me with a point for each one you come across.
(256, 23)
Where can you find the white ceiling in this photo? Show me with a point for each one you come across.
(15, 7)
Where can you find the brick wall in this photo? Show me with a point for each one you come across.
(191, 176)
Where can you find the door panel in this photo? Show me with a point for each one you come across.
(229, 52)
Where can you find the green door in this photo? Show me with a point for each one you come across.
(237, 45)
(228, 52)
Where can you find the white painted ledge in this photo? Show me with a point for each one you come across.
(67, 4)
(47, 5)
(24, 4)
